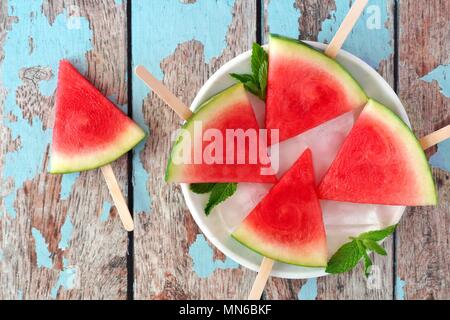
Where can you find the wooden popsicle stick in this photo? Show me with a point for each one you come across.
(261, 279)
(163, 92)
(118, 198)
(345, 28)
(435, 137)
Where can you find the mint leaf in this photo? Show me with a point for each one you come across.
(242, 77)
(262, 76)
(219, 193)
(367, 260)
(256, 82)
(259, 55)
(249, 82)
(367, 264)
(375, 247)
(345, 259)
(378, 235)
(201, 187)
(252, 87)
(361, 247)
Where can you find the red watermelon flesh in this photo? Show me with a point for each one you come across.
(380, 162)
(89, 130)
(228, 110)
(306, 88)
(287, 224)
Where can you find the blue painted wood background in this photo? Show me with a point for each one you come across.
(60, 237)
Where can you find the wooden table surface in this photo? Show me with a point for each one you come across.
(60, 237)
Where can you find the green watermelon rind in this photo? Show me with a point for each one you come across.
(336, 67)
(106, 160)
(407, 133)
(273, 257)
(201, 113)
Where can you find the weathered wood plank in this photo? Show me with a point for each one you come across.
(318, 21)
(183, 44)
(423, 245)
(59, 238)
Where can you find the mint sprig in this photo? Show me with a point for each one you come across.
(219, 192)
(351, 253)
(256, 82)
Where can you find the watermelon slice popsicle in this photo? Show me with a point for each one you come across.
(90, 132)
(319, 89)
(382, 162)
(287, 224)
(230, 109)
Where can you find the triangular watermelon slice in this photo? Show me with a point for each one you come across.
(89, 130)
(287, 224)
(228, 110)
(306, 88)
(380, 162)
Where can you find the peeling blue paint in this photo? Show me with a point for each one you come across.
(1, 255)
(179, 22)
(66, 234)
(67, 183)
(442, 75)
(67, 279)
(441, 159)
(203, 258)
(43, 256)
(399, 289)
(51, 44)
(30, 155)
(105, 211)
(283, 18)
(19, 295)
(309, 290)
(371, 26)
(142, 199)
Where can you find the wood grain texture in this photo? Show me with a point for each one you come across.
(163, 267)
(90, 262)
(423, 246)
(351, 285)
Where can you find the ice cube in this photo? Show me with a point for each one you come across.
(324, 142)
(233, 211)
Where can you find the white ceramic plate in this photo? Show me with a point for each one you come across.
(341, 219)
